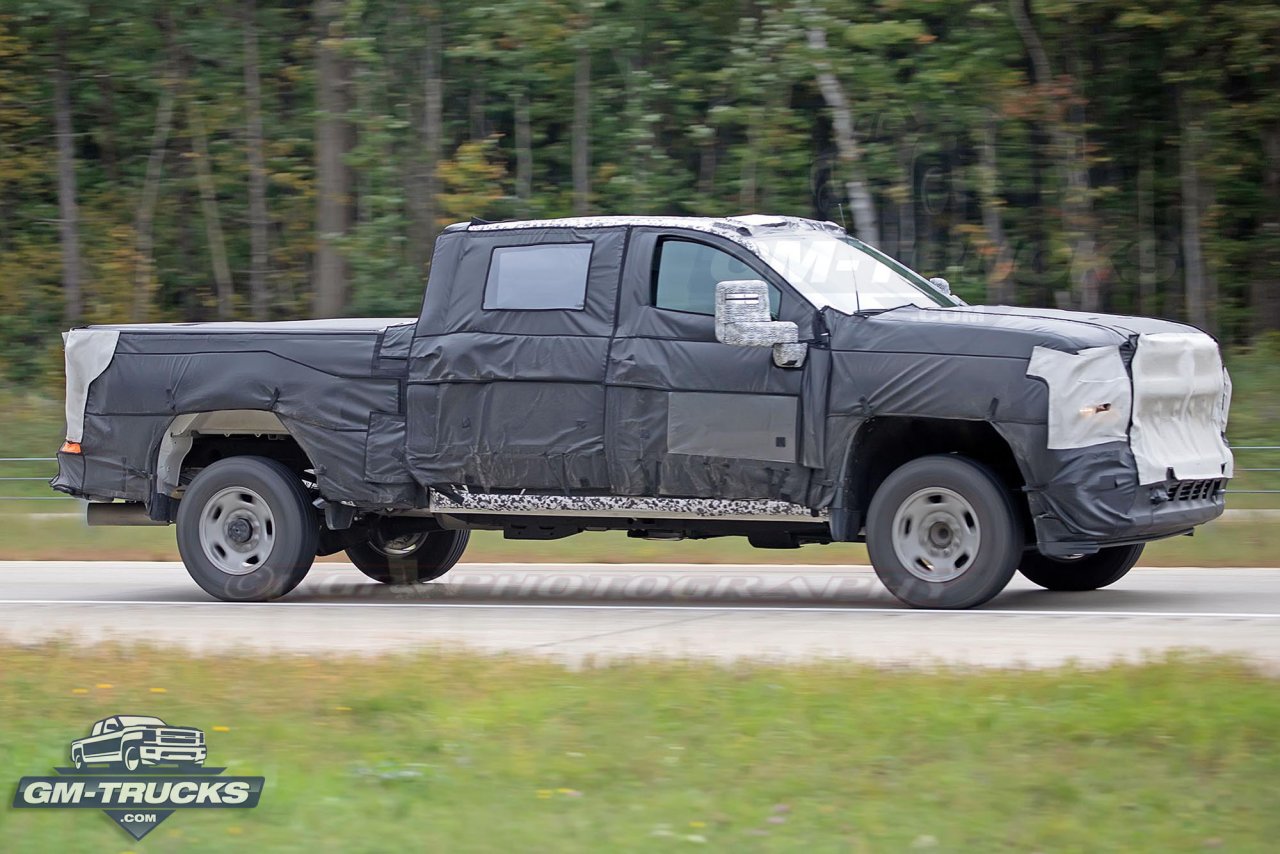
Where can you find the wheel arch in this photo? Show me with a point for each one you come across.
(196, 439)
(884, 443)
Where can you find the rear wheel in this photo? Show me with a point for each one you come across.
(942, 533)
(409, 558)
(1085, 572)
(247, 530)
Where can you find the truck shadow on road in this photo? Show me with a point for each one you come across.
(734, 588)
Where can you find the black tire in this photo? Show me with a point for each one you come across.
(270, 500)
(433, 554)
(77, 759)
(132, 758)
(942, 533)
(1088, 572)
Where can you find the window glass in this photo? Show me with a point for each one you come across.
(547, 276)
(845, 273)
(685, 276)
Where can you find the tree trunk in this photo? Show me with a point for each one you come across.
(144, 280)
(708, 157)
(259, 295)
(860, 201)
(1147, 270)
(1021, 14)
(223, 285)
(192, 301)
(524, 154)
(426, 184)
(107, 123)
(906, 205)
(1000, 283)
(1264, 291)
(476, 109)
(1070, 151)
(433, 119)
(1195, 306)
(1212, 259)
(68, 209)
(747, 183)
(1077, 204)
(581, 132)
(333, 188)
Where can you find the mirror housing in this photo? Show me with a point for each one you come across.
(743, 320)
(941, 284)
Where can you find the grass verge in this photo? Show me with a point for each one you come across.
(460, 753)
(24, 537)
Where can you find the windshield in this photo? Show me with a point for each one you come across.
(139, 720)
(844, 273)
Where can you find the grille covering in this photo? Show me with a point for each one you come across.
(1194, 490)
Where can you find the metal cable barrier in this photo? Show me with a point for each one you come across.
(1256, 476)
(19, 477)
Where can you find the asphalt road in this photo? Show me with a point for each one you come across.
(582, 613)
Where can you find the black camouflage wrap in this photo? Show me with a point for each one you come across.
(619, 398)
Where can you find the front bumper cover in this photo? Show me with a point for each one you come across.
(1093, 500)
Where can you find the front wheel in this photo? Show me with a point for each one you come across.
(1085, 572)
(132, 758)
(411, 558)
(247, 531)
(942, 533)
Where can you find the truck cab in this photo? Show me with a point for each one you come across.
(766, 377)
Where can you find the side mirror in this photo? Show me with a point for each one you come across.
(941, 284)
(743, 320)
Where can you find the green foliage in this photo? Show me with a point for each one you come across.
(707, 108)
(472, 181)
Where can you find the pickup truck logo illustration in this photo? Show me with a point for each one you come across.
(138, 770)
(131, 742)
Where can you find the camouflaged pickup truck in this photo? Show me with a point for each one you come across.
(765, 377)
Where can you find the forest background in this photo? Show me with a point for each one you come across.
(181, 160)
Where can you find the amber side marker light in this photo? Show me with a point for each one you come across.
(69, 447)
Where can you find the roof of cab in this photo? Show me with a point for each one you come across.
(738, 228)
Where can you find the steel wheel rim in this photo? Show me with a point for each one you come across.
(402, 546)
(237, 530)
(936, 535)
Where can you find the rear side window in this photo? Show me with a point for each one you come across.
(685, 275)
(547, 276)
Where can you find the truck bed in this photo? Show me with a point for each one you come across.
(333, 385)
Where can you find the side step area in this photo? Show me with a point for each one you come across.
(627, 507)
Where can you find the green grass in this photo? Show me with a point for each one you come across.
(458, 753)
(32, 538)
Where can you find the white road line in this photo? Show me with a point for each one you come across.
(853, 609)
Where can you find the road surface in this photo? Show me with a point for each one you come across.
(580, 613)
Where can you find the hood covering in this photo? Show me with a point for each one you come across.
(1002, 331)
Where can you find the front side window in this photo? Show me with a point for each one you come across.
(685, 275)
(547, 276)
